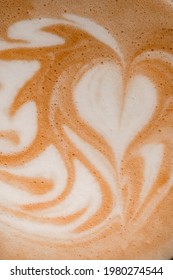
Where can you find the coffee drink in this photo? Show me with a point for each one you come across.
(86, 129)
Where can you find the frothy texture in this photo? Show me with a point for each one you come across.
(86, 131)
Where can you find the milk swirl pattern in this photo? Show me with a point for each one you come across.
(83, 145)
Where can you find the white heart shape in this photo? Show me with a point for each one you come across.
(115, 115)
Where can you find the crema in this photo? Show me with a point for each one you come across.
(86, 114)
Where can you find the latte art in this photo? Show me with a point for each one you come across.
(85, 135)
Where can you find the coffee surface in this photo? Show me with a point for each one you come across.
(86, 113)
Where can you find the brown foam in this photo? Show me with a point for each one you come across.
(125, 21)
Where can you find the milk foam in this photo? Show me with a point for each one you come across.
(79, 155)
(81, 196)
(13, 75)
(153, 156)
(34, 37)
(118, 116)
